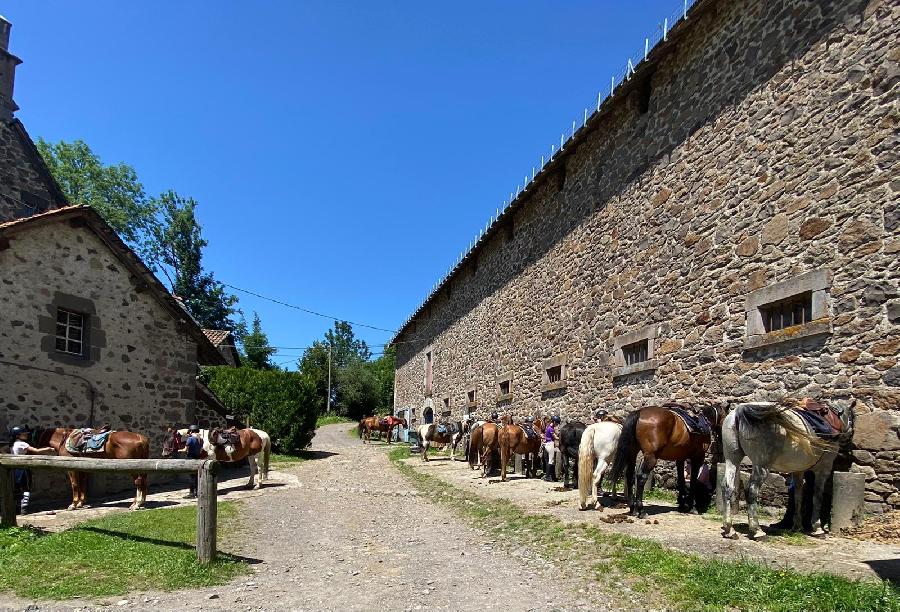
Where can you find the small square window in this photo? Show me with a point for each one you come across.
(70, 332)
(446, 404)
(554, 374)
(637, 352)
(795, 310)
(505, 387)
(471, 396)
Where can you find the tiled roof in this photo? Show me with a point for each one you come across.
(217, 336)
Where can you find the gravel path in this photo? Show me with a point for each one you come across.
(354, 536)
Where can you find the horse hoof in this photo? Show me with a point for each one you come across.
(695, 512)
(642, 515)
(759, 536)
(72, 507)
(730, 535)
(818, 533)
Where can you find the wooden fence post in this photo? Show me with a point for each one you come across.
(7, 498)
(207, 494)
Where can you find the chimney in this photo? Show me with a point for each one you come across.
(8, 63)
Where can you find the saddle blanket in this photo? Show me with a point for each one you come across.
(817, 424)
(87, 441)
(696, 424)
(530, 433)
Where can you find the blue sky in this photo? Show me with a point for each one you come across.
(343, 153)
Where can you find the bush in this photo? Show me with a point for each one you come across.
(283, 404)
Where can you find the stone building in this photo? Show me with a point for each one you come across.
(88, 334)
(724, 227)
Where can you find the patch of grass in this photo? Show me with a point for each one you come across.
(122, 552)
(331, 419)
(686, 581)
(660, 494)
(285, 460)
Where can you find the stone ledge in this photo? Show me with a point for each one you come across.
(643, 366)
(789, 334)
(554, 386)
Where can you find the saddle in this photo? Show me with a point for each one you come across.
(530, 433)
(384, 422)
(695, 423)
(442, 429)
(822, 419)
(87, 440)
(224, 437)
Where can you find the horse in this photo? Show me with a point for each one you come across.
(513, 439)
(659, 433)
(376, 423)
(777, 438)
(569, 439)
(429, 435)
(119, 445)
(599, 442)
(485, 444)
(233, 445)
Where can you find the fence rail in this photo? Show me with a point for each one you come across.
(207, 490)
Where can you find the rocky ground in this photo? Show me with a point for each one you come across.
(866, 556)
(350, 534)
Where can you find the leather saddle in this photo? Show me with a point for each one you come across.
(224, 437)
(88, 440)
(529, 430)
(696, 423)
(815, 413)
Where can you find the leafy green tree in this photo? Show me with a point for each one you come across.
(281, 403)
(257, 352)
(345, 350)
(178, 250)
(114, 190)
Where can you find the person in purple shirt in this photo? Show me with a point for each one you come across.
(550, 440)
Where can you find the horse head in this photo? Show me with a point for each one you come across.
(846, 409)
(54, 437)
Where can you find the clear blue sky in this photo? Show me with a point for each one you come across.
(343, 153)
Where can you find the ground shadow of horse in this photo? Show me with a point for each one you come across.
(313, 455)
(887, 569)
(169, 543)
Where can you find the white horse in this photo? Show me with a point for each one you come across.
(429, 436)
(776, 438)
(258, 462)
(598, 442)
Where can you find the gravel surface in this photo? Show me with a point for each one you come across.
(352, 535)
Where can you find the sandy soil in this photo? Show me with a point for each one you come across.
(852, 558)
(349, 534)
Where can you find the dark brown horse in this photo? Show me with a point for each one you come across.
(514, 439)
(485, 446)
(659, 433)
(119, 445)
(377, 423)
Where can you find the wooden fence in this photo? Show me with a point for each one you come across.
(206, 487)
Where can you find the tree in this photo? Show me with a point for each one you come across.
(283, 404)
(178, 250)
(114, 191)
(257, 352)
(345, 350)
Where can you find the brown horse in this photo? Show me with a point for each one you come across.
(513, 439)
(485, 445)
(119, 445)
(376, 423)
(659, 433)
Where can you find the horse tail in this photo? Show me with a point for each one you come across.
(359, 428)
(586, 466)
(627, 448)
(475, 446)
(757, 414)
(266, 454)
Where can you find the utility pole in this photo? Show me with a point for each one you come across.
(328, 396)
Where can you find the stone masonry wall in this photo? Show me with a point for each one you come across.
(767, 151)
(142, 368)
(24, 190)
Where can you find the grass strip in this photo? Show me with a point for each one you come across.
(686, 581)
(113, 555)
(331, 419)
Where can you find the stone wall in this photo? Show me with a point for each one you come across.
(757, 158)
(141, 367)
(25, 188)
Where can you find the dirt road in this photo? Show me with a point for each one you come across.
(354, 536)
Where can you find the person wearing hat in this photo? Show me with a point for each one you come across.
(599, 415)
(193, 447)
(22, 477)
(550, 440)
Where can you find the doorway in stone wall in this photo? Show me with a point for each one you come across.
(428, 416)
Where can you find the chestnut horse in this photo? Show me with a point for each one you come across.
(659, 433)
(233, 445)
(376, 423)
(484, 447)
(119, 445)
(513, 439)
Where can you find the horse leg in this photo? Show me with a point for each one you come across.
(756, 478)
(565, 470)
(729, 486)
(425, 445)
(504, 459)
(598, 479)
(696, 463)
(683, 503)
(82, 489)
(629, 485)
(647, 466)
(251, 459)
(821, 476)
(799, 486)
(73, 482)
(139, 488)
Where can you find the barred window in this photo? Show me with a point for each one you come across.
(554, 374)
(795, 310)
(504, 387)
(70, 332)
(637, 352)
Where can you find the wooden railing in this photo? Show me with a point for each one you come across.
(206, 486)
